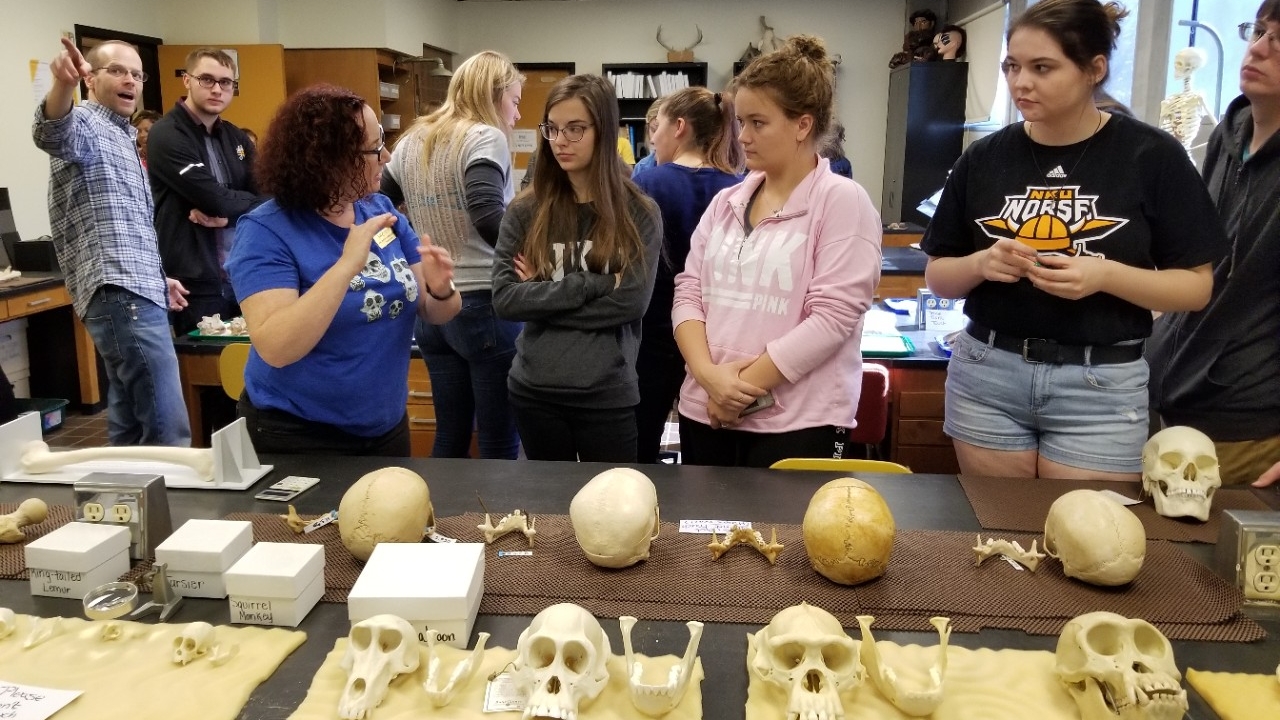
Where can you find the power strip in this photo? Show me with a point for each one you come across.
(1248, 553)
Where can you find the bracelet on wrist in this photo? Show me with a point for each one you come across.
(452, 291)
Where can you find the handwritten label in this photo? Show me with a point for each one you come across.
(320, 522)
(424, 629)
(252, 611)
(185, 584)
(384, 237)
(515, 553)
(27, 702)
(501, 695)
(436, 537)
(706, 527)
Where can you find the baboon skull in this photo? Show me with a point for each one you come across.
(378, 650)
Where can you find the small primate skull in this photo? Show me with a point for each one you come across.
(376, 269)
(192, 643)
(396, 307)
(373, 302)
(1096, 539)
(400, 267)
(1180, 472)
(805, 651)
(561, 661)
(1119, 669)
(356, 284)
(615, 517)
(8, 622)
(378, 650)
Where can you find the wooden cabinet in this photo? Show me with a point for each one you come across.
(422, 410)
(375, 75)
(634, 98)
(924, 136)
(899, 286)
(915, 419)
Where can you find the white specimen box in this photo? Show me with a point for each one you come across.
(436, 585)
(275, 583)
(76, 558)
(197, 554)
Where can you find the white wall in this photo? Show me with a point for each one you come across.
(864, 33)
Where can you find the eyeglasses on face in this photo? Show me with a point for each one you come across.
(1252, 32)
(572, 133)
(208, 81)
(382, 145)
(119, 71)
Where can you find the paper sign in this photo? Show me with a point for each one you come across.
(524, 141)
(27, 702)
(501, 695)
(384, 237)
(706, 527)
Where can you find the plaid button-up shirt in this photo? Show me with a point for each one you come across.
(100, 206)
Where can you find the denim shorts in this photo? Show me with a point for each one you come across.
(1092, 417)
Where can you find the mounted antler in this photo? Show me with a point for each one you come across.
(685, 55)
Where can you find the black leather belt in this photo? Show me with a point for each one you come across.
(1040, 350)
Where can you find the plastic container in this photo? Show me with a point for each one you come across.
(53, 411)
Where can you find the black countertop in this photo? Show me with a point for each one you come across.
(917, 501)
(29, 281)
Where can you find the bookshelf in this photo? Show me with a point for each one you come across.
(642, 83)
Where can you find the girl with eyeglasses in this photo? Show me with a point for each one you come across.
(1064, 232)
(452, 171)
(576, 259)
(330, 278)
(694, 138)
(768, 310)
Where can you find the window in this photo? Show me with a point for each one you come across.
(1222, 17)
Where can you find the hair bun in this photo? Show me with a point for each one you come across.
(809, 46)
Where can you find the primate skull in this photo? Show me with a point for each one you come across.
(561, 661)
(1096, 539)
(378, 650)
(805, 651)
(1119, 669)
(1180, 472)
(192, 643)
(615, 517)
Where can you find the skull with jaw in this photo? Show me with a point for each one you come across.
(805, 651)
(560, 662)
(1180, 472)
(658, 700)
(192, 643)
(1119, 669)
(378, 650)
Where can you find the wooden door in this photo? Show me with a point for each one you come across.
(260, 90)
(539, 78)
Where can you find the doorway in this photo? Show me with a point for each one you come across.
(539, 79)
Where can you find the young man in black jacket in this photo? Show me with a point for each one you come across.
(1218, 370)
(200, 176)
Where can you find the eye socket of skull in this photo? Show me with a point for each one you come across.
(179, 642)
(1150, 642)
(577, 657)
(361, 637)
(1171, 460)
(189, 644)
(542, 652)
(1107, 640)
(838, 657)
(389, 640)
(788, 655)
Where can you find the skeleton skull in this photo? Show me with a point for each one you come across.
(1097, 539)
(615, 517)
(192, 643)
(1180, 472)
(560, 661)
(378, 650)
(1187, 61)
(805, 651)
(1119, 669)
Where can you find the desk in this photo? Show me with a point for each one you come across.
(47, 338)
(918, 502)
(901, 272)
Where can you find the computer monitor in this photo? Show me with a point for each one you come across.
(8, 230)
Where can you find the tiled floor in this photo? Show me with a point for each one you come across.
(79, 431)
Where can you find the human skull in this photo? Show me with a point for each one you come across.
(615, 517)
(378, 650)
(192, 643)
(560, 661)
(1180, 472)
(1119, 669)
(392, 504)
(1097, 539)
(848, 532)
(805, 652)
(1187, 61)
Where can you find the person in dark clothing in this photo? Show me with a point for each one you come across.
(1216, 369)
(199, 165)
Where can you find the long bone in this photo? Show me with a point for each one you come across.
(37, 458)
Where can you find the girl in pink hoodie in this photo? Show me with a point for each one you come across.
(768, 311)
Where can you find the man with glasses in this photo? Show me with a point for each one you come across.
(100, 210)
(1218, 370)
(200, 175)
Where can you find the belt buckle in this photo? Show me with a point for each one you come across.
(1041, 345)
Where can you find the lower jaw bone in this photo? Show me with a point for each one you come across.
(458, 679)
(658, 700)
(914, 701)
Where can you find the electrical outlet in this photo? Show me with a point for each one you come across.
(1261, 572)
(121, 513)
(94, 512)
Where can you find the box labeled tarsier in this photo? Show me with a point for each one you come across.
(275, 583)
(76, 558)
(435, 587)
(198, 553)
